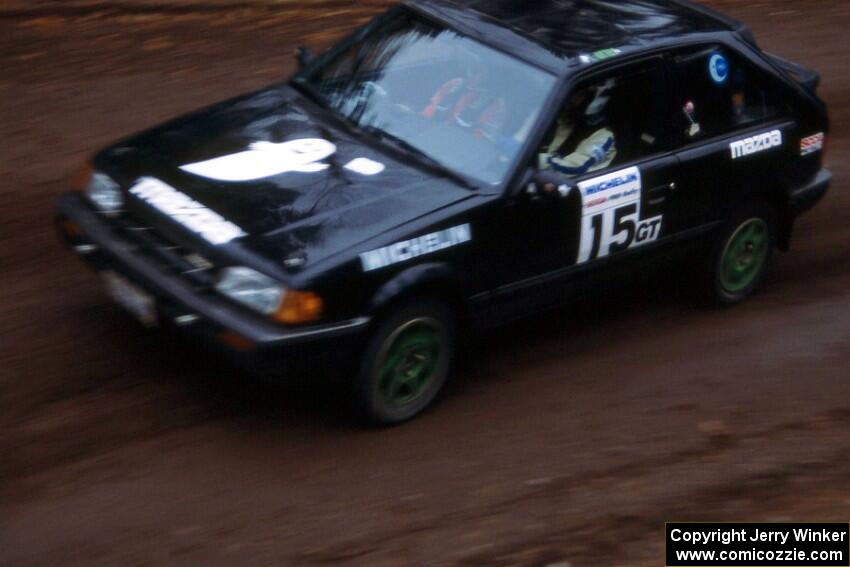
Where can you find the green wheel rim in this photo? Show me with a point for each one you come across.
(744, 256)
(409, 361)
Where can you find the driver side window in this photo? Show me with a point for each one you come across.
(608, 121)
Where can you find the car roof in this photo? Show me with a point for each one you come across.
(579, 29)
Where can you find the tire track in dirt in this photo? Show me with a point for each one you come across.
(593, 535)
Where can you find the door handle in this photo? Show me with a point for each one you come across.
(658, 195)
(661, 190)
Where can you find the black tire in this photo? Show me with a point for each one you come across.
(719, 284)
(400, 328)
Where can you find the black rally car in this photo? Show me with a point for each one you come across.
(456, 165)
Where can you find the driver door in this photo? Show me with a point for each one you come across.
(555, 238)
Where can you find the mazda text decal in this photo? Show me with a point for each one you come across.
(410, 249)
(756, 144)
(267, 159)
(185, 210)
(611, 215)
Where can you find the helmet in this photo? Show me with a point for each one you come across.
(595, 112)
(473, 66)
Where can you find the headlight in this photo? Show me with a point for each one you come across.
(104, 193)
(252, 289)
(264, 295)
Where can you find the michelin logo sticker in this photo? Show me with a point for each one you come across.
(185, 210)
(410, 249)
(611, 190)
(266, 159)
(718, 66)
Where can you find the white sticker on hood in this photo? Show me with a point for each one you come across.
(365, 166)
(266, 159)
(185, 210)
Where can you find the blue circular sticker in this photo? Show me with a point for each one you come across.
(719, 68)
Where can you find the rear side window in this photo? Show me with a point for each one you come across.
(720, 91)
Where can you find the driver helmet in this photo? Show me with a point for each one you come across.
(595, 112)
(475, 72)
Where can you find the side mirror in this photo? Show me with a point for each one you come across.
(304, 56)
(546, 184)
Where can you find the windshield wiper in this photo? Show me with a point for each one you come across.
(310, 92)
(422, 157)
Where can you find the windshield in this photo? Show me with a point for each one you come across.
(458, 103)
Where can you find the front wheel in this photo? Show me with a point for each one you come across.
(742, 255)
(406, 362)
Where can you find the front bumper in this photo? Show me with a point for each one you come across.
(253, 340)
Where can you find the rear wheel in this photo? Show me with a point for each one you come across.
(742, 255)
(406, 362)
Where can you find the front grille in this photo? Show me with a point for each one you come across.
(170, 256)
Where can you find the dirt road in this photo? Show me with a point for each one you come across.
(565, 439)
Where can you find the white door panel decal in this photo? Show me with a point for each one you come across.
(611, 215)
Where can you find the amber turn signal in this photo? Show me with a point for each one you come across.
(70, 228)
(82, 178)
(236, 341)
(299, 307)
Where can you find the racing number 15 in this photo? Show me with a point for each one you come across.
(616, 230)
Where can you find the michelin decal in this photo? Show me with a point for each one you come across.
(415, 248)
(266, 159)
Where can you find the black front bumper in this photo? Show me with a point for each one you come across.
(249, 338)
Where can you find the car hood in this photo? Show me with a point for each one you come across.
(296, 181)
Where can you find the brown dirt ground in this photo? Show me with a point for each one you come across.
(568, 438)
